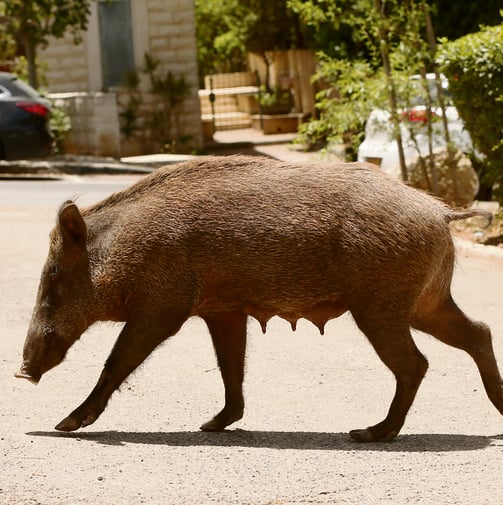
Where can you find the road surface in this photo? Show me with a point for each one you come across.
(304, 392)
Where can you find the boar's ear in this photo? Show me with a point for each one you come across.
(72, 224)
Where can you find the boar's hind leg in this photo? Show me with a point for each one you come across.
(447, 322)
(134, 344)
(394, 345)
(228, 332)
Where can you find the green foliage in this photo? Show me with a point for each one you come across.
(221, 30)
(129, 112)
(38, 20)
(171, 89)
(325, 11)
(453, 20)
(60, 124)
(352, 89)
(354, 21)
(275, 26)
(162, 119)
(391, 33)
(275, 100)
(226, 30)
(7, 41)
(357, 15)
(474, 66)
(30, 23)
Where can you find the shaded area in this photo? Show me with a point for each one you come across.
(494, 240)
(281, 440)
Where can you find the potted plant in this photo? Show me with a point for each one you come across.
(275, 100)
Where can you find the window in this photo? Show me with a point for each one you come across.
(116, 41)
(4, 92)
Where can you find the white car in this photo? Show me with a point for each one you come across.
(380, 148)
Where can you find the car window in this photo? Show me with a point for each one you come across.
(17, 87)
(4, 92)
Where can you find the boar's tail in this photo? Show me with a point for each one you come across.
(455, 215)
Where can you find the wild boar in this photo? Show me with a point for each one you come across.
(225, 238)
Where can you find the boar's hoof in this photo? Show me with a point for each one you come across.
(221, 420)
(213, 425)
(367, 435)
(68, 424)
(72, 423)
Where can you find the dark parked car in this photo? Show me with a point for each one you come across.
(24, 120)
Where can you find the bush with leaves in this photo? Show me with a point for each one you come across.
(221, 30)
(350, 90)
(60, 124)
(162, 118)
(474, 66)
(32, 23)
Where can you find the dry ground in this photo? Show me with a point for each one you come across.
(303, 391)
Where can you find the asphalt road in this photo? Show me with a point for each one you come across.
(304, 392)
(48, 192)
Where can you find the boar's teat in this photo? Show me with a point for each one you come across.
(72, 225)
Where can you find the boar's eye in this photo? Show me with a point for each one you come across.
(54, 272)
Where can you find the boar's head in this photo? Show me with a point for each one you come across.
(65, 293)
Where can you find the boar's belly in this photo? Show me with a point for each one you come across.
(319, 313)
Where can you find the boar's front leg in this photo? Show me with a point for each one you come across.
(228, 332)
(135, 342)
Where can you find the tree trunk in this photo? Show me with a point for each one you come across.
(414, 25)
(440, 94)
(391, 90)
(429, 115)
(29, 51)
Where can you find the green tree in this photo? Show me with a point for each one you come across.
(456, 19)
(7, 42)
(227, 29)
(30, 23)
(351, 91)
(399, 40)
(382, 26)
(221, 28)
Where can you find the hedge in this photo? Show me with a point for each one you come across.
(473, 65)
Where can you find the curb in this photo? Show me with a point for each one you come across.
(474, 248)
(52, 168)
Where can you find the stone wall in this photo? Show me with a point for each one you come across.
(95, 129)
(65, 66)
(165, 29)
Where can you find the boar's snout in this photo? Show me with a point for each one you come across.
(23, 373)
(42, 351)
(60, 315)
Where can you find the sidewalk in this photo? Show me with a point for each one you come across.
(253, 142)
(247, 141)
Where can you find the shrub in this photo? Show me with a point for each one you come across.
(349, 91)
(474, 66)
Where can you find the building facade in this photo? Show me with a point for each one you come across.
(89, 79)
